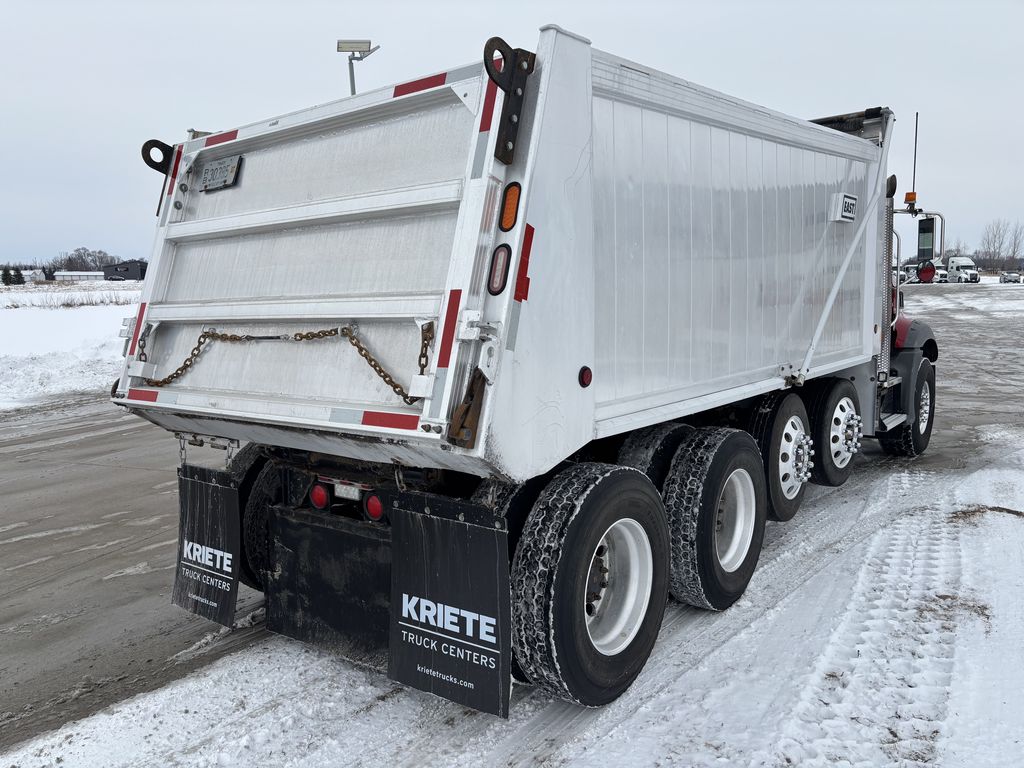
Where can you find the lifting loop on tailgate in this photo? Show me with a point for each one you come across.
(516, 66)
(163, 165)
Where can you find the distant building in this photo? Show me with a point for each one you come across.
(126, 270)
(33, 275)
(64, 276)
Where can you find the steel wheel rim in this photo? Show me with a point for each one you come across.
(619, 586)
(734, 521)
(924, 413)
(844, 432)
(794, 457)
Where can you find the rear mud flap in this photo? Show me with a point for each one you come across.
(329, 584)
(206, 578)
(427, 597)
(451, 609)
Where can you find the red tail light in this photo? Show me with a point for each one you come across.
(374, 508)
(319, 496)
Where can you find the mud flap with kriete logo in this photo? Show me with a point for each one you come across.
(450, 601)
(206, 579)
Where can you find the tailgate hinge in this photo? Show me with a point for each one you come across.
(471, 328)
(466, 418)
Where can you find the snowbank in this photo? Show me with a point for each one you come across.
(63, 295)
(51, 352)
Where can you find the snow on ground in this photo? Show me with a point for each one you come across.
(51, 352)
(882, 627)
(879, 629)
(56, 295)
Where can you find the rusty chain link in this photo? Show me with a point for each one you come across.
(426, 337)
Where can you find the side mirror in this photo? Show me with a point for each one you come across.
(925, 239)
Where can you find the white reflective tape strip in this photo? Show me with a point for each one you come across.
(480, 154)
(346, 416)
(513, 325)
(435, 398)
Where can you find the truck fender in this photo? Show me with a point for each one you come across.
(915, 334)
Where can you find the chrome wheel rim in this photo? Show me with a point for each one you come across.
(924, 413)
(845, 432)
(795, 452)
(734, 522)
(618, 586)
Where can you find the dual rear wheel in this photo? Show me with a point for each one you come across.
(683, 513)
(602, 548)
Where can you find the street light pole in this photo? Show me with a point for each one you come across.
(357, 50)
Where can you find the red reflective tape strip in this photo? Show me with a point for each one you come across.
(138, 329)
(489, 98)
(451, 317)
(420, 85)
(148, 395)
(220, 138)
(522, 279)
(390, 420)
(174, 170)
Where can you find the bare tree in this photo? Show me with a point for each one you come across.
(83, 259)
(1014, 245)
(993, 242)
(958, 247)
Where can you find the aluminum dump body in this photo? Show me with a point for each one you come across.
(684, 247)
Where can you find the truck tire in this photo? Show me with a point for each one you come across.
(651, 450)
(590, 582)
(913, 439)
(716, 502)
(836, 429)
(266, 491)
(245, 466)
(781, 429)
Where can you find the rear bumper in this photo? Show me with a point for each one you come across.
(408, 447)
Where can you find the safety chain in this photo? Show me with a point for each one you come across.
(212, 334)
(426, 337)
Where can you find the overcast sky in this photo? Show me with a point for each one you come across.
(86, 82)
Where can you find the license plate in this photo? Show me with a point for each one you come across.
(220, 174)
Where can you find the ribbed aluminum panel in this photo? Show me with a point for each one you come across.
(353, 158)
(323, 220)
(407, 255)
(714, 256)
(329, 370)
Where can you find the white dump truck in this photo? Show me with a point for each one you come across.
(518, 350)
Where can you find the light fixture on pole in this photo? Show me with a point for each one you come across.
(357, 50)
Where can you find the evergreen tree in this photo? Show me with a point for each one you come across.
(5, 277)
(17, 278)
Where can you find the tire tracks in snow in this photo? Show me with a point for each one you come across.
(878, 693)
(804, 547)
